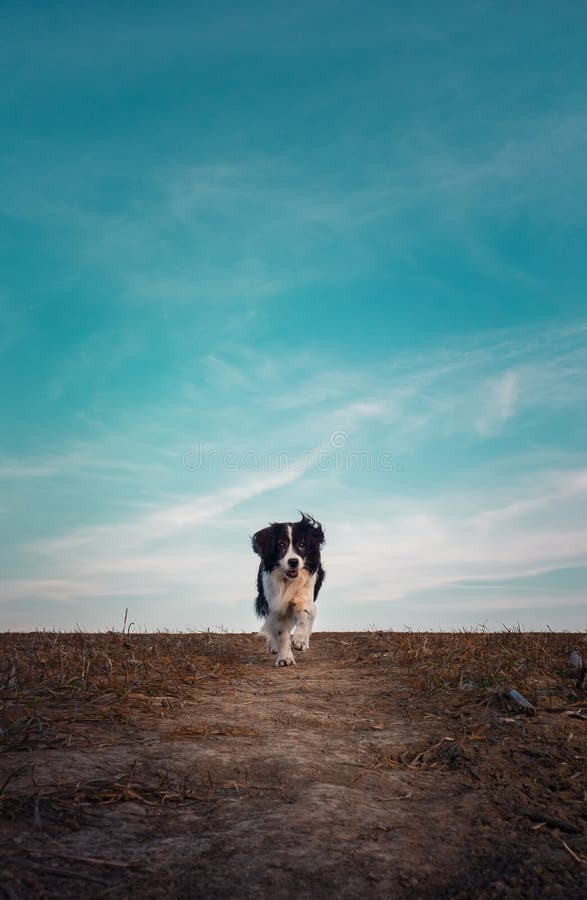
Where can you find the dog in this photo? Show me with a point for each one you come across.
(288, 582)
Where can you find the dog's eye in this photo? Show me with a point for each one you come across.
(301, 546)
(281, 545)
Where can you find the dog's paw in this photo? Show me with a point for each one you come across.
(299, 642)
(286, 660)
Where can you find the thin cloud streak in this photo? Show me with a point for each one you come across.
(402, 549)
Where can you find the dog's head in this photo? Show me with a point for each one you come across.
(291, 546)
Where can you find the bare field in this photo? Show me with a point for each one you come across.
(382, 764)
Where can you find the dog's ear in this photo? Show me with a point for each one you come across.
(262, 540)
(315, 530)
(319, 532)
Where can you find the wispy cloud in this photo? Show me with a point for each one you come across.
(163, 523)
(310, 274)
(133, 556)
(382, 547)
(501, 393)
(382, 555)
(81, 460)
(412, 546)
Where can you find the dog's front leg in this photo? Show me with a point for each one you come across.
(304, 620)
(272, 643)
(284, 625)
(270, 630)
(277, 630)
(285, 657)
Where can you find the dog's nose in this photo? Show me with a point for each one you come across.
(293, 563)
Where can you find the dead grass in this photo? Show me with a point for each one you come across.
(54, 684)
(81, 693)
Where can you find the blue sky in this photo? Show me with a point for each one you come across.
(266, 257)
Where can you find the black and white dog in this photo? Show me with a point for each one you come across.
(290, 577)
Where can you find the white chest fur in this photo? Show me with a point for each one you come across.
(290, 604)
(282, 592)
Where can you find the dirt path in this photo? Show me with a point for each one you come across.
(259, 782)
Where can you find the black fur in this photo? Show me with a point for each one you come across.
(261, 607)
(268, 544)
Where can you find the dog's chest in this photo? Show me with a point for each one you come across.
(280, 591)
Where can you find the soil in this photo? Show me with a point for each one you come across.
(381, 765)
